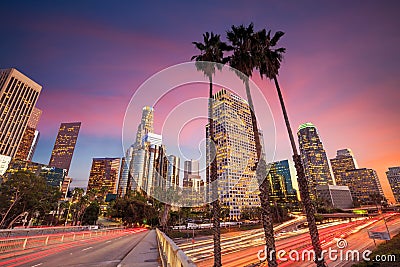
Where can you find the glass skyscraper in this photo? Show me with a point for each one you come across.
(393, 176)
(364, 185)
(104, 174)
(343, 161)
(281, 187)
(235, 153)
(132, 168)
(29, 140)
(313, 155)
(64, 147)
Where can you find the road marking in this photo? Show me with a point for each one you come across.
(108, 241)
(86, 248)
(37, 264)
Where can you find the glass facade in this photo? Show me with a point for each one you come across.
(104, 174)
(364, 184)
(343, 161)
(280, 180)
(64, 147)
(29, 138)
(235, 153)
(393, 176)
(314, 158)
(53, 176)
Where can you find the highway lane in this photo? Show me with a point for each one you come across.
(105, 251)
(239, 255)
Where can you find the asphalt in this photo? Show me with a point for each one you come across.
(136, 250)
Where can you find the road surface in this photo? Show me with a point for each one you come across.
(103, 251)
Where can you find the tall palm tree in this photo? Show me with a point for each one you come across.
(268, 63)
(211, 52)
(243, 61)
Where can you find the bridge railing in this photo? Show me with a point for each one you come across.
(14, 244)
(171, 254)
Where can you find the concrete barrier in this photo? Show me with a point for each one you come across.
(171, 254)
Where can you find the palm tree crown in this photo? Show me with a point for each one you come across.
(212, 50)
(242, 58)
(268, 59)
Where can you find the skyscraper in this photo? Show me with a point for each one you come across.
(173, 169)
(34, 145)
(393, 176)
(235, 153)
(363, 184)
(18, 96)
(104, 174)
(343, 161)
(146, 125)
(132, 169)
(281, 188)
(154, 166)
(64, 146)
(53, 176)
(190, 168)
(29, 140)
(314, 158)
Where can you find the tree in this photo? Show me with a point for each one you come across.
(244, 61)
(268, 60)
(211, 52)
(91, 214)
(24, 194)
(133, 210)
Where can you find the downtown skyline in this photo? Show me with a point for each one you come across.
(340, 70)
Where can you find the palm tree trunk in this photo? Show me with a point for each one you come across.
(253, 120)
(216, 210)
(261, 176)
(303, 186)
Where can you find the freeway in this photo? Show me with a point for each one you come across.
(242, 250)
(101, 251)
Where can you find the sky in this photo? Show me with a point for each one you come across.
(340, 71)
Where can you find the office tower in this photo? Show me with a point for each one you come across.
(145, 126)
(363, 184)
(235, 153)
(343, 161)
(34, 145)
(336, 196)
(132, 169)
(18, 96)
(314, 158)
(65, 187)
(30, 137)
(149, 165)
(122, 186)
(125, 179)
(393, 176)
(173, 163)
(190, 169)
(281, 188)
(53, 176)
(154, 168)
(64, 146)
(347, 152)
(104, 175)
